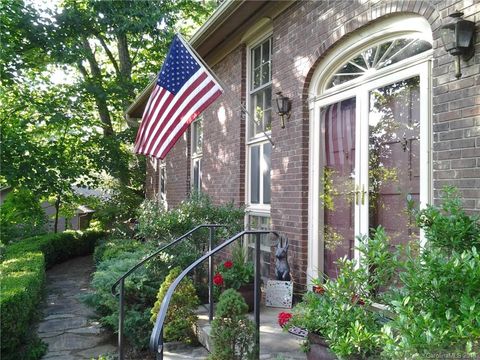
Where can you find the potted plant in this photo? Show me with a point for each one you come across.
(236, 274)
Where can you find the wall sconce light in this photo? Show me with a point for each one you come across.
(457, 35)
(284, 106)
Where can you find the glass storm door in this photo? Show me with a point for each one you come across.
(337, 197)
(394, 157)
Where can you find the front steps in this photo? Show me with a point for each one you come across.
(274, 342)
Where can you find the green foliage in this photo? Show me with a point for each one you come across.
(108, 53)
(341, 314)
(21, 216)
(23, 277)
(140, 289)
(113, 213)
(113, 247)
(118, 254)
(438, 307)
(48, 142)
(156, 224)
(241, 271)
(448, 227)
(181, 316)
(232, 331)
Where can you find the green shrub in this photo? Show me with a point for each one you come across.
(157, 224)
(448, 227)
(232, 331)
(113, 246)
(438, 307)
(181, 316)
(117, 255)
(23, 277)
(140, 289)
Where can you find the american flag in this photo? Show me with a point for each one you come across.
(184, 89)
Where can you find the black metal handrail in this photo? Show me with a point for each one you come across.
(121, 280)
(156, 338)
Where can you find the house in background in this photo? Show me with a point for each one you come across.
(377, 119)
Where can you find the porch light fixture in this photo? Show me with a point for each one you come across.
(284, 107)
(457, 35)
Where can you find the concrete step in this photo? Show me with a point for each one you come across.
(274, 342)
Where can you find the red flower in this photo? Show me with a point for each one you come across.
(357, 300)
(228, 264)
(284, 318)
(318, 289)
(218, 279)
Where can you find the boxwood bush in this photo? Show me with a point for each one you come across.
(23, 277)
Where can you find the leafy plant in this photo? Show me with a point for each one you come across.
(140, 291)
(232, 274)
(339, 309)
(181, 316)
(438, 308)
(232, 332)
(448, 227)
(156, 224)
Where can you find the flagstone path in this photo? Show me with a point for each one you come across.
(69, 327)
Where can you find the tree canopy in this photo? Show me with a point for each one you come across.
(68, 72)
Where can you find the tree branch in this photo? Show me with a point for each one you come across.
(109, 53)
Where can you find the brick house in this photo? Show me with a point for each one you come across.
(377, 118)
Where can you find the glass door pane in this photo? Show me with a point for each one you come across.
(394, 157)
(337, 198)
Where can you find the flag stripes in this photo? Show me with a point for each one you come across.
(184, 89)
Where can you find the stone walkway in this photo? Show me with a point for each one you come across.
(68, 326)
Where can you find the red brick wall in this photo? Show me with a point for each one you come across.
(224, 134)
(456, 115)
(178, 171)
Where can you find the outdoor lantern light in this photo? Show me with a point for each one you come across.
(284, 105)
(457, 37)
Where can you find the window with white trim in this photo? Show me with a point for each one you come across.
(196, 154)
(259, 148)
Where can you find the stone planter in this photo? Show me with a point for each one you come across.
(319, 349)
(248, 293)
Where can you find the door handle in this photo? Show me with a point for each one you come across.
(363, 194)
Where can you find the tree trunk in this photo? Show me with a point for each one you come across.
(95, 81)
(125, 68)
(57, 209)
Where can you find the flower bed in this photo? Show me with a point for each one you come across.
(23, 277)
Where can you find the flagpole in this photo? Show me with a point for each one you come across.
(194, 53)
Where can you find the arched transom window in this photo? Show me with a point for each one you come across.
(377, 57)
